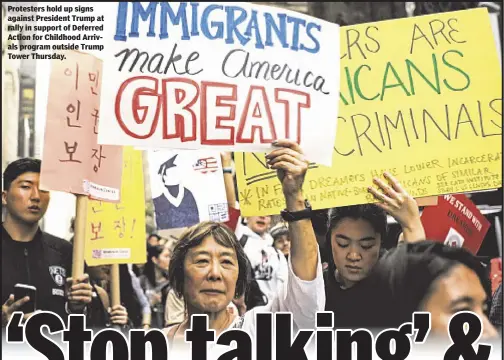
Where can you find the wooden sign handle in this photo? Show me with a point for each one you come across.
(115, 288)
(79, 236)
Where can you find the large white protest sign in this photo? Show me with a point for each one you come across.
(187, 187)
(233, 76)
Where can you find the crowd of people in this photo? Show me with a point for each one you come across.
(296, 265)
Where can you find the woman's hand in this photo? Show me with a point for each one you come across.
(396, 201)
(291, 167)
(118, 315)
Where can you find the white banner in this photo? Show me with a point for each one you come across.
(233, 76)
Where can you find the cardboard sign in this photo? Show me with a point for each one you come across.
(419, 97)
(427, 201)
(115, 233)
(455, 221)
(218, 75)
(187, 187)
(72, 160)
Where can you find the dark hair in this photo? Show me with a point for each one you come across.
(129, 297)
(19, 167)
(193, 237)
(150, 268)
(368, 212)
(412, 272)
(154, 235)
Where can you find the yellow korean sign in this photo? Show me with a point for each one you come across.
(419, 97)
(115, 233)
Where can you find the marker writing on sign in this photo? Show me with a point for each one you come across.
(237, 25)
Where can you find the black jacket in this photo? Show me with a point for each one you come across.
(45, 262)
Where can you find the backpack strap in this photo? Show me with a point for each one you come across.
(243, 240)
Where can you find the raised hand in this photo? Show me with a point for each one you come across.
(290, 164)
(396, 201)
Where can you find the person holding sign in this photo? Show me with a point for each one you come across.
(355, 238)
(32, 258)
(209, 267)
(101, 314)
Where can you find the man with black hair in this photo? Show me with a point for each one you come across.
(429, 276)
(33, 257)
(175, 207)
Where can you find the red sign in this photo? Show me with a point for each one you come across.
(234, 216)
(455, 221)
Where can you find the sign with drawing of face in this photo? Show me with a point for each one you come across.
(187, 187)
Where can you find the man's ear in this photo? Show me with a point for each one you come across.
(4, 197)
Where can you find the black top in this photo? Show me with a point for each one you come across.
(356, 307)
(45, 262)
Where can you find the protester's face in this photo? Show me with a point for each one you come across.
(171, 177)
(259, 224)
(99, 273)
(355, 248)
(24, 200)
(210, 275)
(282, 243)
(459, 290)
(163, 261)
(153, 241)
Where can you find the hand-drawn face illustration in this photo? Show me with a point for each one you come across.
(176, 207)
(168, 171)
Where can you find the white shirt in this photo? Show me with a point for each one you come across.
(269, 265)
(301, 298)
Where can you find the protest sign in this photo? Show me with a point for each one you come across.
(427, 201)
(234, 218)
(187, 187)
(455, 221)
(115, 233)
(419, 97)
(221, 76)
(72, 160)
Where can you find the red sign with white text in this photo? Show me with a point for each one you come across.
(456, 221)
